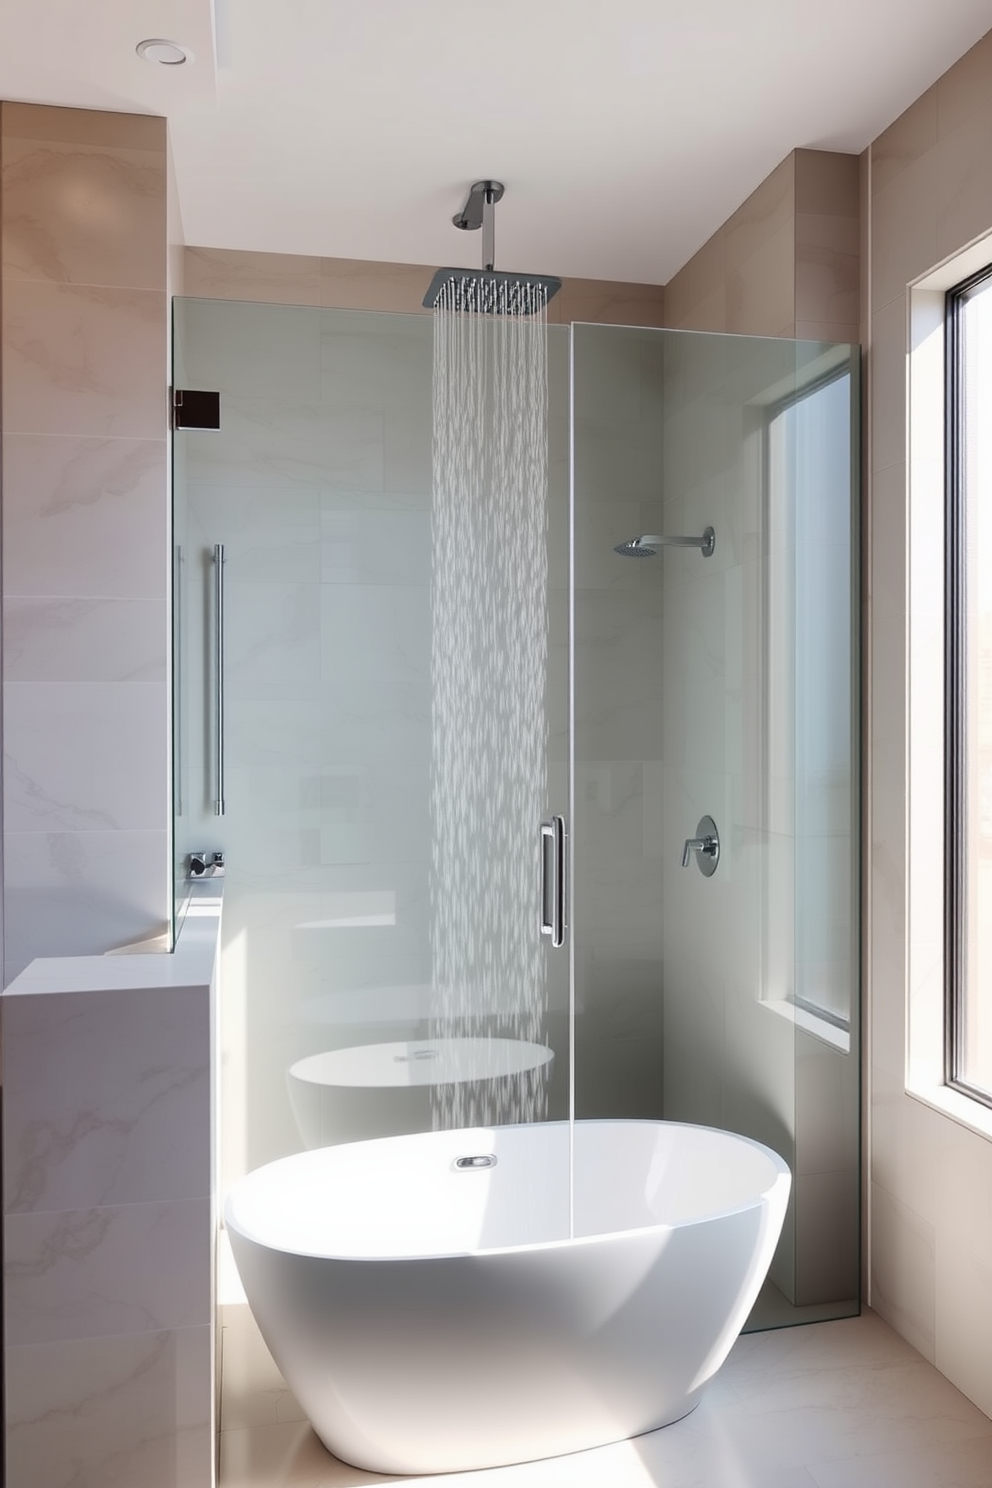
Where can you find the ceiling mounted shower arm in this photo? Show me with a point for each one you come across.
(480, 211)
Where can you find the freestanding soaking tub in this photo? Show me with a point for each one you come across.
(428, 1309)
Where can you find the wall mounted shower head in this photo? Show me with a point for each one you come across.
(637, 547)
(647, 546)
(486, 292)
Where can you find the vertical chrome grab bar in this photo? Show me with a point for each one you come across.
(553, 881)
(219, 678)
(178, 678)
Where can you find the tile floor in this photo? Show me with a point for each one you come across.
(830, 1405)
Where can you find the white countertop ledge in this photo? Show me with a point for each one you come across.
(190, 965)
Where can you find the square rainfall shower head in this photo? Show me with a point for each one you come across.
(490, 291)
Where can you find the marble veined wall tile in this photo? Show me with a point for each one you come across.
(81, 359)
(274, 636)
(375, 546)
(78, 893)
(393, 622)
(89, 1273)
(84, 214)
(112, 1412)
(261, 443)
(84, 640)
(254, 351)
(84, 516)
(108, 1099)
(113, 775)
(272, 536)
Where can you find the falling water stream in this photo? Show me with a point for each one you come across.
(488, 672)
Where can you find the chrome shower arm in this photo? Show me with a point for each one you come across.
(705, 541)
(488, 230)
(479, 211)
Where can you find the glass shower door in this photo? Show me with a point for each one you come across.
(395, 689)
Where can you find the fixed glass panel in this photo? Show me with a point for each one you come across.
(969, 672)
(810, 735)
(395, 678)
(714, 679)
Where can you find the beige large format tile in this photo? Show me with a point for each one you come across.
(84, 516)
(903, 229)
(828, 271)
(962, 175)
(696, 283)
(811, 1407)
(905, 140)
(769, 209)
(761, 289)
(83, 359)
(888, 408)
(610, 303)
(32, 121)
(84, 214)
(827, 183)
(965, 90)
(357, 284)
(234, 274)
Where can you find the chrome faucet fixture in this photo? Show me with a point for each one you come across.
(706, 846)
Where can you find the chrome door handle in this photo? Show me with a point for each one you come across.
(219, 678)
(553, 879)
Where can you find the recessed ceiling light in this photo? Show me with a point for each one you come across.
(162, 53)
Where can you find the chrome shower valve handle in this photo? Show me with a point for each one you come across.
(706, 846)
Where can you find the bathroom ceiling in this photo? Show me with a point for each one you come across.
(625, 131)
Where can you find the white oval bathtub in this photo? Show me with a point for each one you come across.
(431, 1318)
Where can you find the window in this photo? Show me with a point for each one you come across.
(968, 673)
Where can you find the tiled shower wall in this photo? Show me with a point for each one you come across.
(85, 511)
(786, 263)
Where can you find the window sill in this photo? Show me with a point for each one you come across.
(958, 1107)
(827, 1033)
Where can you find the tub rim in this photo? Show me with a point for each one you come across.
(763, 1198)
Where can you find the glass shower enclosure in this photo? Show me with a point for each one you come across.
(464, 748)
